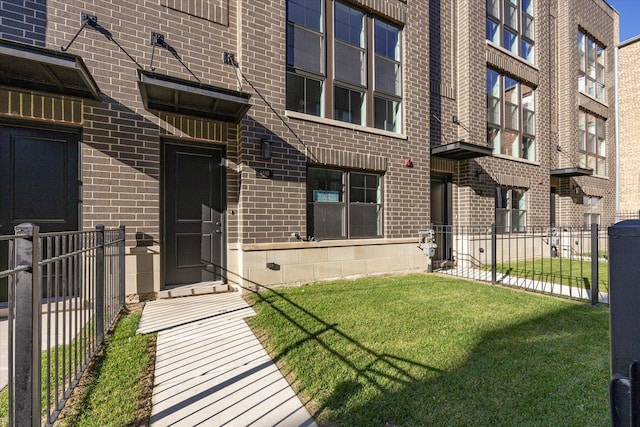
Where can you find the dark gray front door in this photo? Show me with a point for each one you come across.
(39, 182)
(441, 215)
(193, 214)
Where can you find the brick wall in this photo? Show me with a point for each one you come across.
(629, 98)
(600, 21)
(272, 209)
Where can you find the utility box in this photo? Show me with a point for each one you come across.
(624, 309)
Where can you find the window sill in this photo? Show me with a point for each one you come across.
(591, 98)
(516, 159)
(512, 55)
(344, 125)
(603, 177)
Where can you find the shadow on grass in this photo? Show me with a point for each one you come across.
(547, 370)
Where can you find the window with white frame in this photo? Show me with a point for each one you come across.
(361, 82)
(510, 24)
(511, 129)
(591, 65)
(511, 210)
(343, 204)
(592, 214)
(592, 146)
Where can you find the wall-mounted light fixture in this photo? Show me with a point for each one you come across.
(408, 163)
(265, 147)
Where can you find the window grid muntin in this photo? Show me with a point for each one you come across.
(511, 209)
(372, 186)
(330, 80)
(592, 147)
(508, 125)
(293, 68)
(591, 67)
(511, 25)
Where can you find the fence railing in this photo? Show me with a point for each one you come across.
(64, 292)
(567, 261)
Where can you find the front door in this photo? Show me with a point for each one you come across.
(441, 216)
(193, 214)
(39, 183)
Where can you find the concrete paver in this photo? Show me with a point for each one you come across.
(211, 369)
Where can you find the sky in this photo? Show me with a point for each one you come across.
(629, 11)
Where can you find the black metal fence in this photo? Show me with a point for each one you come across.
(64, 292)
(567, 261)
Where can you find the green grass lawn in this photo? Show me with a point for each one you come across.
(563, 271)
(422, 350)
(114, 391)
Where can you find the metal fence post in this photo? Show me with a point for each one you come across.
(100, 282)
(28, 312)
(494, 254)
(121, 267)
(594, 264)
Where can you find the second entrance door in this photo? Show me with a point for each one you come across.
(193, 214)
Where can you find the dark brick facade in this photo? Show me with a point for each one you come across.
(444, 61)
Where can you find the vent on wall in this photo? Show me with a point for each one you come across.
(212, 10)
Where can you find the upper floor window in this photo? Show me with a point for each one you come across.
(361, 80)
(510, 116)
(510, 24)
(591, 60)
(592, 146)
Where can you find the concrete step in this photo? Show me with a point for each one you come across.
(201, 288)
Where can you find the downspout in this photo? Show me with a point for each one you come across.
(617, 131)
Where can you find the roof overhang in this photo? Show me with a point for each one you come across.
(461, 150)
(35, 68)
(569, 172)
(180, 96)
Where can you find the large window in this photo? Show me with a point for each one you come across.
(511, 210)
(343, 204)
(510, 24)
(591, 60)
(510, 116)
(592, 146)
(361, 82)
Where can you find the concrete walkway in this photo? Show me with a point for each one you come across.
(211, 370)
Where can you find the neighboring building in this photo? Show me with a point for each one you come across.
(322, 146)
(629, 126)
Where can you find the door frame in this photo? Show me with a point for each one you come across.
(183, 142)
(447, 250)
(30, 124)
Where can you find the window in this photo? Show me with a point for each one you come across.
(510, 24)
(511, 126)
(305, 56)
(592, 146)
(591, 60)
(592, 214)
(511, 211)
(345, 88)
(343, 204)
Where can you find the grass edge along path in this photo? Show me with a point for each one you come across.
(115, 389)
(428, 350)
(117, 386)
(569, 272)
